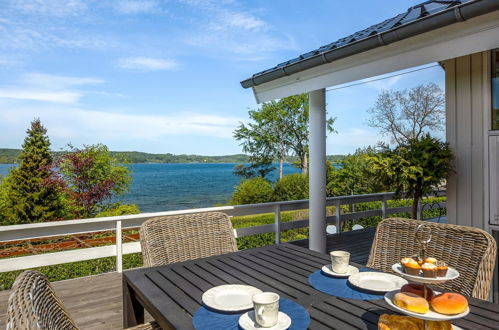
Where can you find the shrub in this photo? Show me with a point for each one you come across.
(89, 177)
(252, 191)
(119, 209)
(291, 187)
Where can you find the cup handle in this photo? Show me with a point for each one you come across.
(259, 310)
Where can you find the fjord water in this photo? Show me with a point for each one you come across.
(165, 187)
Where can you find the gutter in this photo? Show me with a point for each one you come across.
(446, 17)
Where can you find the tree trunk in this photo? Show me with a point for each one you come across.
(415, 203)
(281, 162)
(304, 163)
(418, 194)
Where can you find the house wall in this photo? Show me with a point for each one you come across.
(467, 80)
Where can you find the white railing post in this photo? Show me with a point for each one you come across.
(119, 248)
(384, 207)
(338, 215)
(352, 205)
(277, 217)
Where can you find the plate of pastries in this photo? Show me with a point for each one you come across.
(428, 270)
(398, 322)
(431, 305)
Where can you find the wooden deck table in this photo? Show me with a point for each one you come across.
(172, 293)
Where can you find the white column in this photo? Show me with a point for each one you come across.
(317, 170)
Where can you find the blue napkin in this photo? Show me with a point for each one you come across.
(340, 287)
(208, 319)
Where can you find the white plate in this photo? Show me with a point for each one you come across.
(329, 271)
(376, 281)
(230, 297)
(451, 275)
(247, 321)
(430, 316)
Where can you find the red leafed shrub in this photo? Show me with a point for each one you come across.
(89, 177)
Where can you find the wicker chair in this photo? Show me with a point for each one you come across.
(33, 304)
(176, 238)
(471, 251)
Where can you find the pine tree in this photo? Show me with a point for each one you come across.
(28, 199)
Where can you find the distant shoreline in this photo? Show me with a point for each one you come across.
(10, 156)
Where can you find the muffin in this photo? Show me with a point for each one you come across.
(430, 260)
(429, 270)
(412, 268)
(418, 259)
(404, 261)
(441, 268)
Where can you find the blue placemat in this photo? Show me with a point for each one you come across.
(340, 287)
(207, 319)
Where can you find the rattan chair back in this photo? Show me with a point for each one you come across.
(472, 251)
(33, 304)
(176, 238)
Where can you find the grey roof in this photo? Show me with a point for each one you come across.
(418, 19)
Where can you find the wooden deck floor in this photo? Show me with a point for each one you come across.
(95, 302)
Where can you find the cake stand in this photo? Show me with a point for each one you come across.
(423, 235)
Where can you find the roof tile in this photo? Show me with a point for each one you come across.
(412, 14)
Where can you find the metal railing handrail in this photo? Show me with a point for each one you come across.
(118, 223)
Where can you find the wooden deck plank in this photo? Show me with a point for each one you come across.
(95, 302)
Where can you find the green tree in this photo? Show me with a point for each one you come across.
(89, 177)
(291, 187)
(278, 129)
(354, 174)
(26, 199)
(259, 168)
(415, 168)
(252, 191)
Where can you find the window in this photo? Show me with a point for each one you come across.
(495, 89)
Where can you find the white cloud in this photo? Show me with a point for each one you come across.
(46, 24)
(9, 62)
(57, 82)
(23, 35)
(39, 95)
(89, 126)
(50, 7)
(147, 64)
(131, 7)
(242, 20)
(224, 27)
(47, 88)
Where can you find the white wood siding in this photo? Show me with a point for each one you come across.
(466, 82)
(494, 179)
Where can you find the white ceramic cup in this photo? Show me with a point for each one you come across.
(266, 308)
(340, 261)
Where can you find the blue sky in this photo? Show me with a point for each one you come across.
(163, 75)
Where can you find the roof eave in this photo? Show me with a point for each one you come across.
(444, 18)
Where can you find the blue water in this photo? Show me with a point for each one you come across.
(164, 187)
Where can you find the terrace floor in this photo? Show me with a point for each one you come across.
(95, 302)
